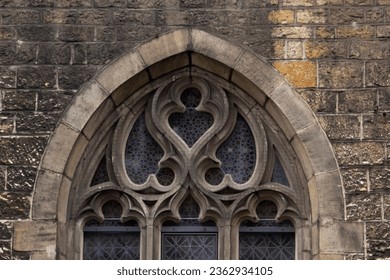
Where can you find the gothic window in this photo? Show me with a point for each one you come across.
(189, 239)
(191, 166)
(267, 239)
(111, 239)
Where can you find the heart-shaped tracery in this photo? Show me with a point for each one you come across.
(191, 124)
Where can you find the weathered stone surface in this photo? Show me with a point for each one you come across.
(53, 100)
(320, 101)
(292, 32)
(103, 53)
(36, 33)
(379, 178)
(359, 153)
(312, 16)
(300, 74)
(384, 99)
(375, 15)
(76, 33)
(346, 16)
(364, 207)
(325, 49)
(7, 33)
(341, 237)
(325, 32)
(378, 230)
(54, 54)
(386, 206)
(376, 126)
(13, 100)
(59, 16)
(14, 206)
(357, 101)
(22, 150)
(359, 32)
(30, 123)
(355, 179)
(383, 31)
(95, 17)
(72, 77)
(341, 126)
(369, 50)
(281, 16)
(34, 235)
(21, 179)
(5, 250)
(134, 17)
(37, 77)
(19, 16)
(340, 74)
(3, 172)
(5, 230)
(7, 77)
(378, 74)
(7, 123)
(378, 250)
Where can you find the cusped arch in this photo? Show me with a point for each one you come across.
(235, 64)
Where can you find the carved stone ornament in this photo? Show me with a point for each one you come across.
(192, 136)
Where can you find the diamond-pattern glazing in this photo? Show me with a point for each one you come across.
(237, 154)
(193, 246)
(111, 245)
(101, 174)
(191, 124)
(267, 246)
(142, 152)
(278, 175)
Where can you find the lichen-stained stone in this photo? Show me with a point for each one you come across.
(300, 74)
(3, 171)
(312, 16)
(21, 178)
(281, 16)
(22, 150)
(341, 127)
(7, 123)
(34, 123)
(378, 249)
(376, 126)
(18, 100)
(320, 101)
(340, 74)
(325, 49)
(386, 206)
(355, 31)
(7, 76)
(354, 179)
(357, 101)
(379, 178)
(378, 230)
(33, 77)
(342, 15)
(364, 207)
(292, 32)
(359, 153)
(5, 230)
(378, 73)
(369, 50)
(14, 206)
(5, 250)
(384, 99)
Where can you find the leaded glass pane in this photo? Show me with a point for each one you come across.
(267, 246)
(111, 245)
(191, 124)
(190, 239)
(189, 246)
(142, 152)
(111, 239)
(278, 175)
(237, 154)
(101, 174)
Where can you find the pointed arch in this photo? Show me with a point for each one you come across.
(191, 48)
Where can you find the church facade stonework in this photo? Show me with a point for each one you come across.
(240, 119)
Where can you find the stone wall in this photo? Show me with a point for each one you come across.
(334, 52)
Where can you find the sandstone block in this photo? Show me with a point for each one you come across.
(301, 74)
(359, 153)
